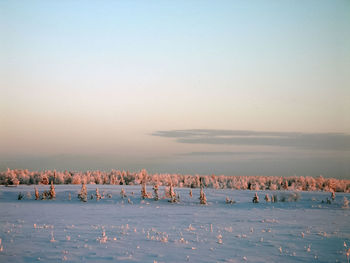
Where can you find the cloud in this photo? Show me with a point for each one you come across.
(226, 153)
(311, 141)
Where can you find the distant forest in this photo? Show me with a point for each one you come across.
(116, 177)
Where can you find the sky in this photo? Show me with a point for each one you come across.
(223, 87)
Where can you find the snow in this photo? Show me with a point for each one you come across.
(113, 229)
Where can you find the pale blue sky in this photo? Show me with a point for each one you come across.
(85, 84)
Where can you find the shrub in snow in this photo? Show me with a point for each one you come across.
(172, 194)
(274, 198)
(83, 193)
(256, 198)
(267, 198)
(345, 203)
(229, 201)
(122, 193)
(290, 197)
(20, 196)
(52, 193)
(52, 237)
(328, 201)
(103, 238)
(156, 195)
(37, 196)
(191, 193)
(202, 197)
(45, 195)
(294, 197)
(144, 193)
(333, 195)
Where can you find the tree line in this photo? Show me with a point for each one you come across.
(117, 177)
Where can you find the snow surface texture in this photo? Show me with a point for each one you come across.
(114, 229)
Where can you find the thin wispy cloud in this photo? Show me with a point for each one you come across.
(226, 153)
(311, 141)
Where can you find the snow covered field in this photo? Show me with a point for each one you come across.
(115, 230)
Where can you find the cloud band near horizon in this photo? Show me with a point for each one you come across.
(298, 140)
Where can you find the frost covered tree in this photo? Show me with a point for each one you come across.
(98, 196)
(333, 195)
(44, 179)
(274, 198)
(143, 191)
(267, 198)
(83, 193)
(144, 194)
(202, 197)
(37, 196)
(20, 196)
(345, 203)
(172, 194)
(52, 193)
(156, 195)
(256, 198)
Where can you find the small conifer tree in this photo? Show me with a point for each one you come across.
(274, 198)
(37, 196)
(202, 197)
(20, 196)
(98, 196)
(172, 194)
(52, 193)
(256, 198)
(267, 198)
(345, 203)
(143, 191)
(122, 193)
(156, 195)
(83, 193)
(333, 196)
